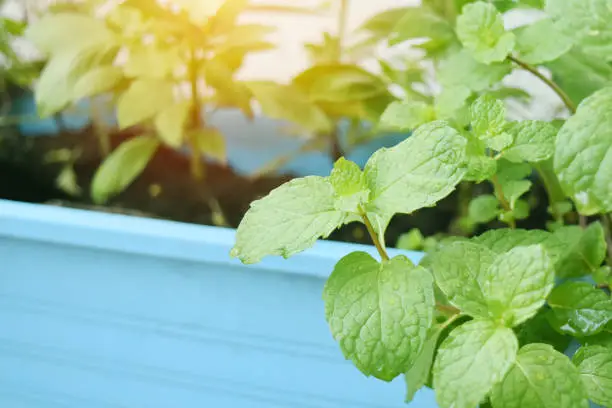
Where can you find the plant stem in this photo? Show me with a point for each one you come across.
(605, 218)
(342, 24)
(196, 164)
(551, 185)
(373, 235)
(336, 148)
(551, 84)
(450, 321)
(102, 135)
(502, 198)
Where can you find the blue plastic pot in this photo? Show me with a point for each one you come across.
(250, 144)
(104, 310)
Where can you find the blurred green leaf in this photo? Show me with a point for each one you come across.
(484, 208)
(579, 74)
(229, 92)
(339, 83)
(406, 115)
(461, 69)
(143, 100)
(122, 167)
(286, 102)
(211, 143)
(55, 87)
(68, 32)
(541, 42)
(96, 81)
(151, 62)
(170, 123)
(422, 22)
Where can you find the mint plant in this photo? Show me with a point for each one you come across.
(485, 320)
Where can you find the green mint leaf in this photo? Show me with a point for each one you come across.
(480, 167)
(603, 275)
(503, 240)
(582, 169)
(411, 241)
(349, 185)
(508, 170)
(579, 309)
(144, 99)
(514, 189)
(595, 366)
(585, 250)
(541, 42)
(603, 339)
(470, 361)
(517, 284)
(539, 330)
(499, 142)
(540, 377)
(586, 21)
(534, 141)
(462, 70)
(98, 80)
(121, 167)
(480, 28)
(460, 271)
(418, 172)
(406, 115)
(379, 313)
(488, 116)
(288, 220)
(452, 105)
(418, 374)
(484, 208)
(170, 123)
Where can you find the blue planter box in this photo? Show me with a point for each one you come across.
(102, 310)
(250, 144)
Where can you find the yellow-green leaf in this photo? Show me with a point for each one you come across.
(122, 167)
(211, 143)
(96, 81)
(144, 99)
(170, 123)
(61, 32)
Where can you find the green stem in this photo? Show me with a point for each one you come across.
(605, 218)
(373, 235)
(336, 147)
(102, 135)
(551, 185)
(502, 198)
(196, 164)
(342, 25)
(551, 84)
(450, 320)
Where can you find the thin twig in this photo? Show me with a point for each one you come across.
(551, 84)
